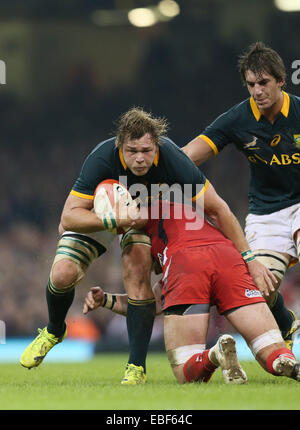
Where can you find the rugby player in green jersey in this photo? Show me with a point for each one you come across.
(140, 154)
(266, 128)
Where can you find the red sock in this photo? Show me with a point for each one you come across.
(275, 354)
(199, 367)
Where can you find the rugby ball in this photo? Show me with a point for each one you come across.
(106, 195)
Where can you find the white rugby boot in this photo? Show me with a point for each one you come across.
(223, 354)
(286, 366)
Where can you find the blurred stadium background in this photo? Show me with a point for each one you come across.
(72, 67)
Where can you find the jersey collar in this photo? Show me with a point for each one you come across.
(155, 162)
(284, 110)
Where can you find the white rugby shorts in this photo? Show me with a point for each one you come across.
(274, 231)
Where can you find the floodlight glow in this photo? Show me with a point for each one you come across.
(288, 5)
(142, 17)
(169, 8)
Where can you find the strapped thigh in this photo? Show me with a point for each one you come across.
(273, 260)
(80, 249)
(134, 236)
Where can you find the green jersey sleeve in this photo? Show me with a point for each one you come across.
(219, 133)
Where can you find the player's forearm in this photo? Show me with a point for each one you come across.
(121, 302)
(117, 303)
(219, 212)
(227, 223)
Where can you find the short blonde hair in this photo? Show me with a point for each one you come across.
(135, 123)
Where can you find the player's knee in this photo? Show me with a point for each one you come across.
(179, 357)
(64, 274)
(72, 260)
(178, 373)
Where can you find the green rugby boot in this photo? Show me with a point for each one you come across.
(289, 337)
(134, 375)
(35, 353)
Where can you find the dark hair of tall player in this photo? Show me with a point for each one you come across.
(260, 58)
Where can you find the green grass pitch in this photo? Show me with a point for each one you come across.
(95, 385)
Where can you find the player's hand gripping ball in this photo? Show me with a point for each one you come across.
(107, 194)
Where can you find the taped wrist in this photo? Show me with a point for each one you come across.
(109, 221)
(109, 300)
(248, 256)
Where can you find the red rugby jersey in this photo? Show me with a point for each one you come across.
(177, 226)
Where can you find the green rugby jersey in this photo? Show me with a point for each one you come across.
(171, 166)
(273, 151)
